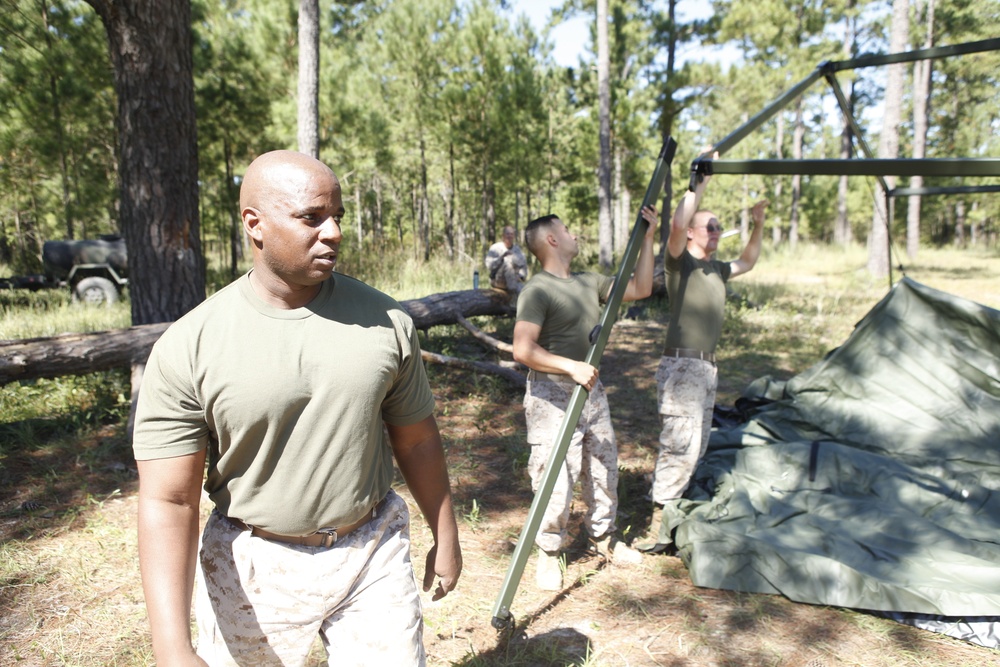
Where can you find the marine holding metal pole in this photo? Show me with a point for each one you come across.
(502, 618)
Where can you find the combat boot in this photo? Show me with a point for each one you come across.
(548, 571)
(616, 551)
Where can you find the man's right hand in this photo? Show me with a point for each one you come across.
(584, 374)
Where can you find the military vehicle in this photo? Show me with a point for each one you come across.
(95, 270)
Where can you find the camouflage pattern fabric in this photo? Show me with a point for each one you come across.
(685, 394)
(262, 602)
(508, 277)
(592, 457)
(507, 267)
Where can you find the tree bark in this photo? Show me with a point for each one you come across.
(509, 374)
(57, 126)
(888, 145)
(843, 235)
(483, 337)
(667, 115)
(921, 97)
(779, 142)
(604, 230)
(308, 102)
(150, 46)
(77, 354)
(798, 136)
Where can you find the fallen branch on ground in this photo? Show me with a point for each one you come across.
(505, 372)
(483, 337)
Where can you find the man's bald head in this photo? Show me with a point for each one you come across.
(277, 169)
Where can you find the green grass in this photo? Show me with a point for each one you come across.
(50, 312)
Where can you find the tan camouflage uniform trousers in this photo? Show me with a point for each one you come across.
(592, 457)
(685, 394)
(262, 602)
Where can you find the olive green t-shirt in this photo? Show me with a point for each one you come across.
(289, 403)
(567, 309)
(697, 291)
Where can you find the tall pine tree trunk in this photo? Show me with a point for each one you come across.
(843, 235)
(604, 231)
(358, 215)
(150, 45)
(798, 135)
(888, 145)
(57, 127)
(425, 202)
(449, 202)
(308, 102)
(779, 151)
(667, 124)
(622, 204)
(232, 196)
(921, 97)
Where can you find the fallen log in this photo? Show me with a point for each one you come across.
(483, 337)
(76, 353)
(447, 307)
(80, 353)
(509, 374)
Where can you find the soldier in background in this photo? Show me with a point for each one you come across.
(687, 376)
(506, 263)
(555, 313)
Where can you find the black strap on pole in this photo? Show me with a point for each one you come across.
(502, 619)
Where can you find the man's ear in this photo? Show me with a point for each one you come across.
(251, 223)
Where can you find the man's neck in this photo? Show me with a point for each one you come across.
(696, 251)
(556, 267)
(281, 295)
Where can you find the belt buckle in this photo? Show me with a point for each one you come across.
(329, 537)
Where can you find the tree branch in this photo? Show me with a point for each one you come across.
(508, 374)
(483, 337)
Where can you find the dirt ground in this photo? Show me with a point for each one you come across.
(71, 594)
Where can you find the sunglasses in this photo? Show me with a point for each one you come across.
(712, 229)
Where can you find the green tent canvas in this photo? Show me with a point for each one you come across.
(869, 481)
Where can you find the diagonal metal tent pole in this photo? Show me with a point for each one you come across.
(502, 618)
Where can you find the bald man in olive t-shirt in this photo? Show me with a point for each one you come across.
(287, 396)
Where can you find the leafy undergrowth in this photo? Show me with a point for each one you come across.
(70, 591)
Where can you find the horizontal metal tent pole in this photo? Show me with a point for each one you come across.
(950, 190)
(864, 167)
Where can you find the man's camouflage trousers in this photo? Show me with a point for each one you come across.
(261, 602)
(685, 393)
(592, 457)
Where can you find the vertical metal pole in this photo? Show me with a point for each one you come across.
(502, 618)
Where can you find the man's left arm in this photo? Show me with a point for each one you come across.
(420, 457)
(640, 285)
(751, 252)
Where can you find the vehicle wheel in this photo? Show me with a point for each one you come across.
(95, 291)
